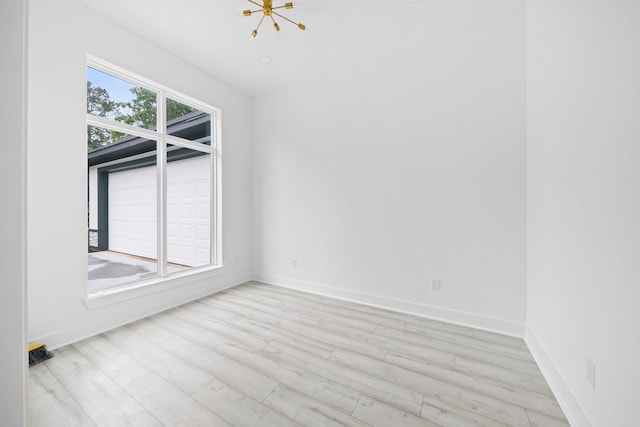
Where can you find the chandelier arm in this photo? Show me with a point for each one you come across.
(285, 18)
(256, 3)
(260, 23)
(280, 7)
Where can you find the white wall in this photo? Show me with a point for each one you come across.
(13, 369)
(62, 34)
(405, 167)
(584, 203)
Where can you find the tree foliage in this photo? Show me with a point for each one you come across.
(99, 104)
(140, 111)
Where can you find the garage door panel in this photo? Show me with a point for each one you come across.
(132, 212)
(188, 189)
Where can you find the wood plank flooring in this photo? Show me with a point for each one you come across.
(260, 355)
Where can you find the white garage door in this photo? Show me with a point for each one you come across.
(189, 211)
(132, 212)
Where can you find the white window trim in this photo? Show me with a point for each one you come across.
(165, 281)
(143, 288)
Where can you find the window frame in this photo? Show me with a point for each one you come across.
(163, 140)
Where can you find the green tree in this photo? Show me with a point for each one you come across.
(99, 104)
(142, 109)
(176, 109)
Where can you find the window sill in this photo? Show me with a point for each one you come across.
(148, 287)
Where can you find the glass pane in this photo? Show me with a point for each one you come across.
(188, 122)
(122, 213)
(119, 100)
(188, 208)
(98, 137)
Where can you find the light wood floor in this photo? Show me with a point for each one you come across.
(259, 355)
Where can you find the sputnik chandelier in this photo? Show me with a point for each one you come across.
(267, 9)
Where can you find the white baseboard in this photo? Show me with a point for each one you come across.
(486, 323)
(572, 410)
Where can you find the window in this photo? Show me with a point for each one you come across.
(153, 162)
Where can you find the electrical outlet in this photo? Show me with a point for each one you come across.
(435, 284)
(590, 372)
(294, 263)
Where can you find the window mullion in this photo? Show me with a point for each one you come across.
(120, 127)
(192, 145)
(216, 194)
(215, 190)
(162, 185)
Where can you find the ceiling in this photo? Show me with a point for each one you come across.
(215, 36)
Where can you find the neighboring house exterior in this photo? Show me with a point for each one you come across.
(123, 191)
